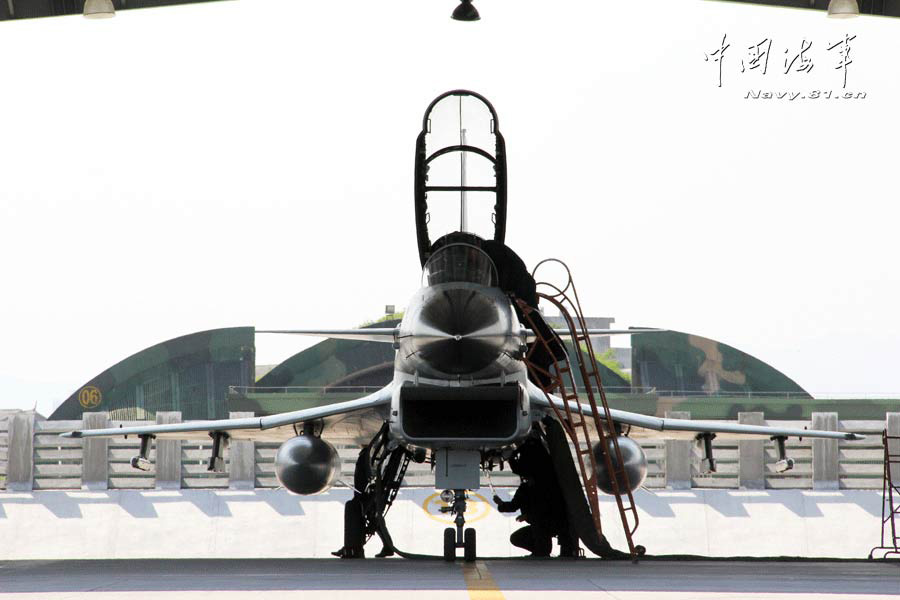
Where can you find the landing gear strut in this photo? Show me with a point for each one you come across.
(457, 537)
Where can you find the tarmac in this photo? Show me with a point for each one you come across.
(488, 579)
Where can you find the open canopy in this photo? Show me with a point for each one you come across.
(460, 171)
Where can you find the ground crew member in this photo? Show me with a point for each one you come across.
(536, 536)
(540, 502)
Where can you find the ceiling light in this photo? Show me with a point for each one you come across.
(465, 12)
(99, 9)
(842, 9)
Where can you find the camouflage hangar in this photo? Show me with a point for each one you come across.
(191, 373)
(209, 373)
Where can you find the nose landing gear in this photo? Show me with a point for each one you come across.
(457, 537)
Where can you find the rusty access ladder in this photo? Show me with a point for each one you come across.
(890, 508)
(573, 416)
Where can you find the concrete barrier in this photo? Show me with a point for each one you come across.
(830, 520)
(679, 457)
(82, 524)
(825, 455)
(752, 455)
(95, 454)
(168, 455)
(37, 458)
(20, 468)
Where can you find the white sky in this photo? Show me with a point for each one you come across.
(250, 163)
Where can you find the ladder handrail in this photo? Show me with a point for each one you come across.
(616, 474)
(579, 334)
(589, 480)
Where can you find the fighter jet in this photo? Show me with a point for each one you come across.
(477, 374)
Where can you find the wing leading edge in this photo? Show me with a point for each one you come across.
(246, 426)
(369, 334)
(689, 428)
(390, 335)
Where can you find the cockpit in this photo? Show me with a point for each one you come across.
(459, 263)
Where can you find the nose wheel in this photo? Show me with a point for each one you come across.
(459, 536)
(469, 545)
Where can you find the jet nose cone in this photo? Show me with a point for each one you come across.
(458, 313)
(467, 331)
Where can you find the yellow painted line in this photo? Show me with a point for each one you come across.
(480, 583)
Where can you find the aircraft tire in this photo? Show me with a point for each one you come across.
(469, 550)
(449, 544)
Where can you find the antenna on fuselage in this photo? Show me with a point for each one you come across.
(463, 208)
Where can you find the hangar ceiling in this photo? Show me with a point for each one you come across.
(30, 9)
(890, 8)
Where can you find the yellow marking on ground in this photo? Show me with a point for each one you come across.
(480, 583)
(477, 509)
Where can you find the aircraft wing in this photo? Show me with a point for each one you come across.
(688, 428)
(352, 419)
(369, 334)
(566, 335)
(390, 335)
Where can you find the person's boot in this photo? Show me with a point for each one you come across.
(385, 552)
(568, 545)
(350, 552)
